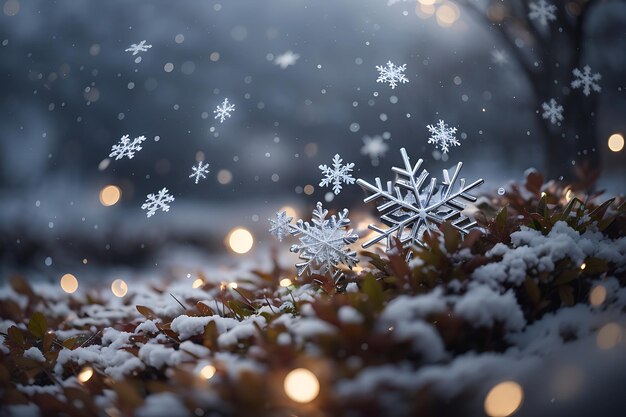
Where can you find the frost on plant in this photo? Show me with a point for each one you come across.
(391, 74)
(411, 206)
(586, 80)
(553, 111)
(542, 11)
(135, 48)
(287, 59)
(374, 147)
(160, 201)
(224, 110)
(324, 243)
(337, 174)
(199, 171)
(126, 147)
(279, 227)
(442, 136)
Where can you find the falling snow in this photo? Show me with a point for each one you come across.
(442, 136)
(279, 227)
(160, 201)
(553, 111)
(126, 148)
(374, 147)
(199, 171)
(287, 59)
(586, 80)
(224, 110)
(391, 74)
(135, 48)
(542, 11)
(337, 175)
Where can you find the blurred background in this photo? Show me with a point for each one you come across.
(302, 75)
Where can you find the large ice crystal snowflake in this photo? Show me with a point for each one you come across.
(542, 11)
(337, 174)
(199, 171)
(411, 206)
(324, 243)
(553, 111)
(279, 227)
(126, 148)
(224, 110)
(374, 147)
(135, 48)
(160, 201)
(391, 74)
(442, 136)
(586, 80)
(287, 59)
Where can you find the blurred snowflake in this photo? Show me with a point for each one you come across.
(324, 244)
(374, 147)
(199, 171)
(337, 175)
(411, 208)
(224, 110)
(280, 226)
(553, 111)
(286, 59)
(542, 11)
(499, 57)
(160, 201)
(391, 74)
(126, 148)
(442, 136)
(135, 48)
(586, 80)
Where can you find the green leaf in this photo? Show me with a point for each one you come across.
(15, 335)
(566, 276)
(451, 237)
(374, 291)
(501, 218)
(38, 325)
(239, 308)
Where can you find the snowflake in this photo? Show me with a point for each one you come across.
(391, 74)
(587, 80)
(223, 111)
(552, 110)
(280, 226)
(443, 136)
(543, 11)
(337, 174)
(411, 207)
(499, 57)
(199, 171)
(375, 147)
(286, 59)
(323, 244)
(157, 202)
(138, 47)
(126, 147)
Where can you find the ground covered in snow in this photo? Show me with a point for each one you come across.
(537, 298)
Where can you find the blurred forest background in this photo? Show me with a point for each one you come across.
(70, 91)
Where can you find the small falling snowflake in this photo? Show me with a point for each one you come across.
(287, 59)
(443, 136)
(324, 244)
(374, 147)
(553, 111)
(337, 175)
(542, 11)
(499, 57)
(126, 148)
(279, 227)
(586, 80)
(160, 201)
(224, 110)
(391, 74)
(199, 171)
(135, 48)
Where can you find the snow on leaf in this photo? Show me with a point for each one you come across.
(160, 201)
(542, 11)
(553, 111)
(586, 80)
(337, 174)
(224, 110)
(324, 242)
(287, 59)
(411, 207)
(391, 74)
(374, 147)
(135, 48)
(443, 136)
(199, 171)
(126, 148)
(279, 227)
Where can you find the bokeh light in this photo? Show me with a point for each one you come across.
(597, 296)
(616, 142)
(504, 399)
(240, 240)
(301, 385)
(609, 336)
(197, 283)
(208, 371)
(110, 195)
(285, 282)
(85, 374)
(119, 288)
(69, 283)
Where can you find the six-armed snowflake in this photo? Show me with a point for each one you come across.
(279, 227)
(126, 147)
(160, 201)
(553, 111)
(391, 74)
(337, 175)
(442, 136)
(224, 110)
(542, 11)
(135, 48)
(412, 206)
(586, 80)
(324, 243)
(199, 171)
